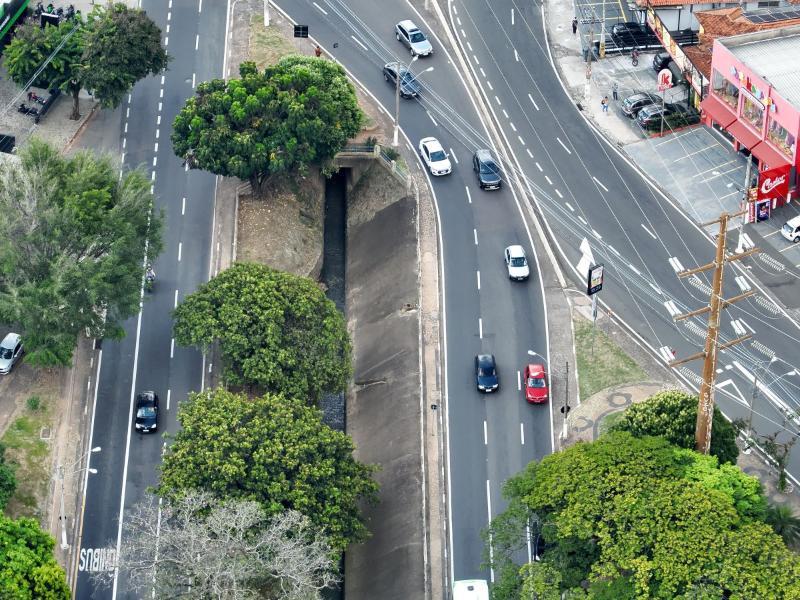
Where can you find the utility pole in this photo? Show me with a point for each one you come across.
(705, 407)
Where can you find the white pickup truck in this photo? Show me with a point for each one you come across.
(471, 589)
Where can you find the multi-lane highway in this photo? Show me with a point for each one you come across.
(146, 359)
(585, 189)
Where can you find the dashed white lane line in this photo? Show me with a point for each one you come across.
(180, 250)
(512, 126)
(489, 83)
(485, 434)
(172, 348)
(431, 118)
(521, 141)
(650, 233)
(167, 31)
(519, 381)
(453, 154)
(161, 93)
(469, 198)
(512, 16)
(538, 166)
(600, 183)
(516, 56)
(548, 180)
(496, 99)
(128, 112)
(183, 206)
(478, 273)
(634, 269)
(158, 120)
(463, 34)
(175, 304)
(126, 127)
(475, 233)
(193, 80)
(582, 220)
(536, 106)
(614, 250)
(505, 114)
(320, 9)
(469, 46)
(169, 393)
(458, 20)
(480, 328)
(564, 146)
(482, 72)
(155, 161)
(569, 206)
(529, 152)
(559, 193)
(597, 235)
(475, 58)
(522, 434)
(359, 42)
(166, 40)
(200, 7)
(158, 133)
(155, 147)
(196, 41)
(124, 142)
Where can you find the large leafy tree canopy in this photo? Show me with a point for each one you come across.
(276, 330)
(72, 240)
(272, 450)
(8, 480)
(106, 53)
(28, 570)
(638, 517)
(298, 112)
(673, 416)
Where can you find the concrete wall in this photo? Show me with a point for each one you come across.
(383, 407)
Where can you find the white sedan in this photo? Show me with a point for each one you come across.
(434, 156)
(517, 263)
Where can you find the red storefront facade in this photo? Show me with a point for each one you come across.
(754, 96)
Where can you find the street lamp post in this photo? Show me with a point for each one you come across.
(396, 134)
(754, 394)
(60, 474)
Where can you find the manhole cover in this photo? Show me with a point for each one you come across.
(45, 434)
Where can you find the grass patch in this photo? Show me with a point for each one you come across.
(267, 44)
(28, 454)
(605, 366)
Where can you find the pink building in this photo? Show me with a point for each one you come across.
(754, 97)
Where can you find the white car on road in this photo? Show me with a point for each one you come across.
(517, 263)
(434, 156)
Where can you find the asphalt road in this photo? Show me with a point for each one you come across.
(146, 358)
(585, 190)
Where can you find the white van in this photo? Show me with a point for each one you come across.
(791, 229)
(471, 589)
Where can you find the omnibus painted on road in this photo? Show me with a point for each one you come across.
(10, 13)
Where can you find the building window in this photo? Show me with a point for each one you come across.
(753, 111)
(779, 136)
(768, 3)
(726, 90)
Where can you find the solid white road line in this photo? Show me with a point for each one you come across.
(650, 233)
(600, 183)
(359, 42)
(319, 8)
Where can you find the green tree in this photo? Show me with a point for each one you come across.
(298, 112)
(276, 331)
(32, 45)
(272, 450)
(106, 54)
(673, 416)
(785, 523)
(541, 581)
(643, 515)
(122, 46)
(72, 240)
(28, 570)
(8, 480)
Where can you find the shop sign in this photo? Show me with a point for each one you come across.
(773, 183)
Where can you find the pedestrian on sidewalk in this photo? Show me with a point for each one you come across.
(615, 90)
(574, 25)
(317, 51)
(604, 104)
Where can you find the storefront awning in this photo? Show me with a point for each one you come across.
(743, 134)
(769, 155)
(718, 110)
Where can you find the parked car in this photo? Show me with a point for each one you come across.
(434, 156)
(11, 350)
(486, 170)
(146, 412)
(412, 38)
(409, 86)
(791, 229)
(632, 34)
(486, 373)
(675, 115)
(517, 263)
(536, 390)
(636, 102)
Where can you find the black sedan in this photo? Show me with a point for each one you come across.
(486, 373)
(486, 170)
(636, 102)
(146, 412)
(675, 115)
(409, 86)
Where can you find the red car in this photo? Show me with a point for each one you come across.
(536, 390)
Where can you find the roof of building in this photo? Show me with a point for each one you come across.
(772, 55)
(676, 3)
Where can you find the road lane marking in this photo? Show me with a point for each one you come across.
(516, 56)
(183, 206)
(485, 434)
(469, 46)
(597, 235)
(564, 146)
(194, 83)
(463, 34)
(319, 8)
(496, 99)
(168, 395)
(548, 180)
(200, 7)
(519, 381)
(614, 250)
(176, 299)
(482, 72)
(155, 160)
(491, 544)
(489, 83)
(475, 58)
(172, 348)
(180, 248)
(538, 166)
(458, 20)
(742, 283)
(196, 43)
(453, 154)
(570, 207)
(512, 125)
(582, 220)
(431, 118)
(505, 114)
(521, 141)
(475, 234)
(522, 433)
(600, 183)
(158, 135)
(166, 40)
(634, 269)
(479, 279)
(650, 233)
(155, 147)
(676, 264)
(559, 193)
(529, 152)
(536, 106)
(480, 328)
(124, 143)
(512, 15)
(469, 198)
(357, 41)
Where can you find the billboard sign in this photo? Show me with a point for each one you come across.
(773, 183)
(595, 280)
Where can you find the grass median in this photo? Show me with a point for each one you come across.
(601, 362)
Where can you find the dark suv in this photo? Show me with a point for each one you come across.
(409, 87)
(486, 170)
(633, 104)
(632, 34)
(675, 115)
